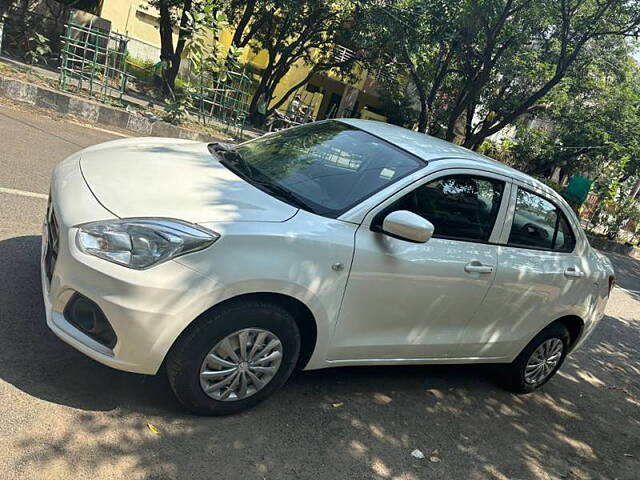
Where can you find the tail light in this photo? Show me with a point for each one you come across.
(612, 282)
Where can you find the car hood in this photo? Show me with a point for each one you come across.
(172, 178)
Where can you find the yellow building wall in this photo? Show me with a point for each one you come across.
(135, 18)
(368, 115)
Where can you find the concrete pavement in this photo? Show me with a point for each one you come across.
(64, 416)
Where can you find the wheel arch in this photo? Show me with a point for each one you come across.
(306, 321)
(574, 324)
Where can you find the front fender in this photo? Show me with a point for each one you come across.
(293, 258)
(214, 295)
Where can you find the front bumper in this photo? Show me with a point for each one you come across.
(146, 309)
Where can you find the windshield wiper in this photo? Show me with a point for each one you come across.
(226, 151)
(228, 154)
(285, 194)
(220, 147)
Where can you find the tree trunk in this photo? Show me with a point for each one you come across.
(166, 50)
(423, 119)
(262, 88)
(468, 124)
(169, 57)
(295, 87)
(636, 190)
(243, 22)
(422, 94)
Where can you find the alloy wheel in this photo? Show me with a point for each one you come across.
(241, 364)
(543, 361)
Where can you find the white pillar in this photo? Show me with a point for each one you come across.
(2, 19)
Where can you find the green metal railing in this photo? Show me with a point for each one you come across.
(94, 60)
(223, 97)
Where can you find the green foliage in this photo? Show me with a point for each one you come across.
(142, 70)
(590, 125)
(291, 31)
(534, 150)
(200, 27)
(552, 184)
(503, 151)
(613, 215)
(39, 49)
(205, 54)
(478, 65)
(189, 17)
(397, 107)
(176, 110)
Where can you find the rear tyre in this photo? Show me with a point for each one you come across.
(233, 358)
(539, 361)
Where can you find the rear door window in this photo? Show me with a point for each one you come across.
(539, 224)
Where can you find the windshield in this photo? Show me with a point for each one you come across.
(325, 167)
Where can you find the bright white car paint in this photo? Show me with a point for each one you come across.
(375, 299)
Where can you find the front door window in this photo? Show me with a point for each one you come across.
(461, 207)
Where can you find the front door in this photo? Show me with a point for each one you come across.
(411, 301)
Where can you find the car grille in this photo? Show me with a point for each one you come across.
(53, 234)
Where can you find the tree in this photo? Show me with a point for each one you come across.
(397, 105)
(291, 32)
(591, 126)
(206, 57)
(492, 61)
(573, 35)
(592, 121)
(174, 15)
(410, 41)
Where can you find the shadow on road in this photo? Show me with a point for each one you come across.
(338, 423)
(34, 360)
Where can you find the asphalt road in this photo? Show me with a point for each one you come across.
(63, 415)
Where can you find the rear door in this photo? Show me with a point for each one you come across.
(409, 301)
(539, 277)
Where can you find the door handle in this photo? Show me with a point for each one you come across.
(477, 267)
(573, 272)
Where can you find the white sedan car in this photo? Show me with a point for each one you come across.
(343, 242)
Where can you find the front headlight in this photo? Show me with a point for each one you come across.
(142, 242)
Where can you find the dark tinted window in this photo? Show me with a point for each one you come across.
(330, 166)
(460, 207)
(565, 241)
(537, 223)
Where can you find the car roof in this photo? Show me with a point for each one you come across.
(430, 148)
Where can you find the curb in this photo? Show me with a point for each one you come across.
(93, 112)
(614, 247)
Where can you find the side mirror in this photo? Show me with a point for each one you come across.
(407, 226)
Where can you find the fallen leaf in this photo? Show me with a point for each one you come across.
(417, 454)
(337, 405)
(628, 455)
(153, 429)
(434, 459)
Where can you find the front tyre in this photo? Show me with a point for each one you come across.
(539, 361)
(234, 357)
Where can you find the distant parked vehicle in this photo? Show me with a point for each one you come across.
(343, 242)
(278, 121)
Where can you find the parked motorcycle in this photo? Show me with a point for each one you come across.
(278, 121)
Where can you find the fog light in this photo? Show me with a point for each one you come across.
(87, 317)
